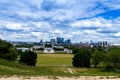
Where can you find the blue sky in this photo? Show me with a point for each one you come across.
(78, 20)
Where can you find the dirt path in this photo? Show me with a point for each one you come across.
(61, 78)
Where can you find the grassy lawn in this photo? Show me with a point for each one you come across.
(54, 60)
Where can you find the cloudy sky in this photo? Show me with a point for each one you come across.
(78, 20)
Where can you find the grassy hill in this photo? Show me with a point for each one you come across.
(13, 68)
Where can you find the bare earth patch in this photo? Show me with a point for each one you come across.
(62, 78)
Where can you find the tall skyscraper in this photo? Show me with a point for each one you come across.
(60, 40)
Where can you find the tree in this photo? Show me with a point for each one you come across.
(20, 52)
(75, 50)
(28, 57)
(12, 55)
(113, 56)
(82, 59)
(97, 57)
(7, 51)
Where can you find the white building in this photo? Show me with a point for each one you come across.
(68, 50)
(38, 47)
(48, 50)
(25, 49)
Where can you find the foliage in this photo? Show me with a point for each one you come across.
(20, 52)
(28, 57)
(75, 50)
(12, 54)
(113, 56)
(97, 57)
(7, 51)
(82, 59)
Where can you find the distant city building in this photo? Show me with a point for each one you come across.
(53, 41)
(102, 44)
(91, 44)
(68, 41)
(57, 41)
(41, 41)
(60, 40)
(105, 44)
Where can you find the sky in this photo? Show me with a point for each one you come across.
(78, 20)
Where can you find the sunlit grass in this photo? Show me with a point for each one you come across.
(54, 59)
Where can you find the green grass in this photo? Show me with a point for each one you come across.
(51, 65)
(54, 60)
(12, 68)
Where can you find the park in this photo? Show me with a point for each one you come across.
(54, 65)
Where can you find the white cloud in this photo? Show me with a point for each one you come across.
(1, 36)
(57, 31)
(41, 25)
(92, 23)
(37, 34)
(117, 34)
(14, 26)
(9, 25)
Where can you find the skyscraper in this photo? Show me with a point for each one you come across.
(60, 40)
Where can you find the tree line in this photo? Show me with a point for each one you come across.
(96, 57)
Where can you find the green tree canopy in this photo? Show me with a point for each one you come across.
(82, 58)
(97, 57)
(28, 57)
(113, 56)
(7, 51)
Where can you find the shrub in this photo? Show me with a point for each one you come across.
(81, 60)
(28, 57)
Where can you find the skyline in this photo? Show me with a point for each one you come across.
(78, 20)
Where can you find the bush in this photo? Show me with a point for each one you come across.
(82, 59)
(28, 57)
